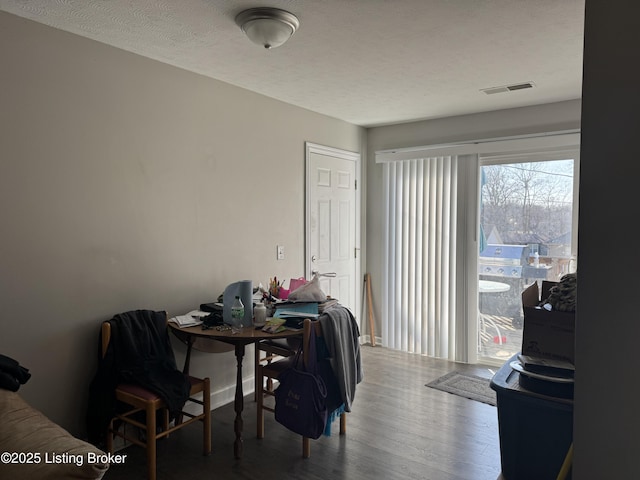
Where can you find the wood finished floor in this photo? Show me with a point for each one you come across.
(399, 429)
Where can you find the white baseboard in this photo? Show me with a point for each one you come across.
(364, 339)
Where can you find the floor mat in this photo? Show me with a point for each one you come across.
(466, 385)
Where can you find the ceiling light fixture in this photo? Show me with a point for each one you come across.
(269, 27)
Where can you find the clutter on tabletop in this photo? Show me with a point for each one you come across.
(259, 314)
(309, 292)
(295, 283)
(274, 325)
(300, 291)
(260, 293)
(303, 310)
(274, 287)
(194, 317)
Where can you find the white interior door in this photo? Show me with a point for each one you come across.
(333, 221)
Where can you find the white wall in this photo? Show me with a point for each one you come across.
(126, 183)
(501, 123)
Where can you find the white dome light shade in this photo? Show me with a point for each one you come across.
(268, 27)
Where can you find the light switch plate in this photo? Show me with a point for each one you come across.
(280, 252)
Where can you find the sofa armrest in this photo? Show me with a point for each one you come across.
(54, 452)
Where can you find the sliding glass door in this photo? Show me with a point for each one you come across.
(528, 231)
(467, 227)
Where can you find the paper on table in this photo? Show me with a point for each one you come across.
(304, 310)
(191, 319)
(294, 314)
(274, 325)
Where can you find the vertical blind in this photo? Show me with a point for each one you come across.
(419, 264)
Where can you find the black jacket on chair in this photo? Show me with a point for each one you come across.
(12, 374)
(139, 353)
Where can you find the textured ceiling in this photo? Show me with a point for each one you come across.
(368, 62)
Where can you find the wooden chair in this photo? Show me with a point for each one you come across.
(268, 351)
(139, 399)
(266, 373)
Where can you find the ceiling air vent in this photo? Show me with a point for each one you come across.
(520, 86)
(507, 88)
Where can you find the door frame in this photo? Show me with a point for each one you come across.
(311, 148)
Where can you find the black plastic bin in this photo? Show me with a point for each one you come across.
(536, 429)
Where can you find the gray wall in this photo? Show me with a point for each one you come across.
(126, 183)
(517, 121)
(606, 415)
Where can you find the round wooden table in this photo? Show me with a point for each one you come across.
(239, 340)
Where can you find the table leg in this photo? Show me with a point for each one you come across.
(187, 362)
(238, 404)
